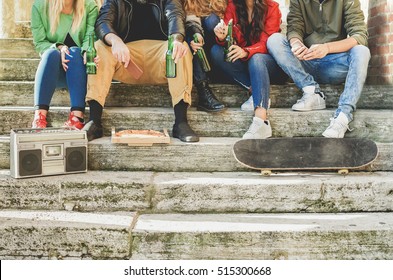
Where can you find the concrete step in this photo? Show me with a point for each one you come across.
(373, 124)
(268, 236)
(17, 48)
(200, 192)
(21, 69)
(62, 235)
(20, 93)
(211, 154)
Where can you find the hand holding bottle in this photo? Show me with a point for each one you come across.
(96, 59)
(179, 50)
(195, 46)
(221, 30)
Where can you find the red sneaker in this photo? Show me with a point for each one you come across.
(74, 122)
(39, 121)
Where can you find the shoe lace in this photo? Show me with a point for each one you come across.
(40, 119)
(303, 99)
(337, 125)
(72, 121)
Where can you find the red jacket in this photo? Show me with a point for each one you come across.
(272, 25)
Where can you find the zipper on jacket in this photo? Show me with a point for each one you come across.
(159, 11)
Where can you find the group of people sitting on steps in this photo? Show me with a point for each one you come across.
(326, 42)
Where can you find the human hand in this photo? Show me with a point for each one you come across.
(196, 46)
(120, 51)
(298, 49)
(97, 60)
(316, 51)
(63, 51)
(236, 52)
(221, 30)
(179, 50)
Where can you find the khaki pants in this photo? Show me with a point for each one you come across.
(149, 55)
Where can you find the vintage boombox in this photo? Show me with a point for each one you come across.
(41, 152)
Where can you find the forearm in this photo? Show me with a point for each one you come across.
(111, 38)
(342, 45)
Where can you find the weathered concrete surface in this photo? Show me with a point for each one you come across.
(22, 69)
(17, 48)
(20, 93)
(200, 192)
(289, 192)
(92, 191)
(64, 235)
(267, 236)
(376, 125)
(209, 155)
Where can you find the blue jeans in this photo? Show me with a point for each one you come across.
(208, 24)
(51, 75)
(256, 73)
(349, 67)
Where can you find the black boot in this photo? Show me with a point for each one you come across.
(184, 132)
(206, 99)
(94, 127)
(93, 131)
(181, 128)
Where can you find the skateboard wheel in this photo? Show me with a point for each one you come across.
(343, 171)
(266, 172)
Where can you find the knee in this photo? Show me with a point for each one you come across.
(101, 48)
(50, 56)
(75, 55)
(276, 41)
(361, 53)
(258, 62)
(210, 22)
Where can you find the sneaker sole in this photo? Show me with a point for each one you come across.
(247, 109)
(312, 109)
(330, 136)
(210, 110)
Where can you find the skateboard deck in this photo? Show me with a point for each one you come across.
(305, 153)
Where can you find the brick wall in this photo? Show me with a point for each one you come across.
(380, 28)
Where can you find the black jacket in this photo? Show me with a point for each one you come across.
(115, 17)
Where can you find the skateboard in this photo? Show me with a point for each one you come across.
(305, 153)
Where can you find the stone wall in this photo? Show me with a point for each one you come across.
(380, 27)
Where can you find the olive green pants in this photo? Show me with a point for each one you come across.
(149, 55)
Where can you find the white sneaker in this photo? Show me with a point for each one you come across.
(249, 105)
(338, 126)
(309, 102)
(258, 130)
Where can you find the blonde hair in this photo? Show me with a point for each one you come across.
(55, 8)
(202, 8)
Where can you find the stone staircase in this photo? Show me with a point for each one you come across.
(192, 201)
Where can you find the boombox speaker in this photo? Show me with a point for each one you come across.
(41, 152)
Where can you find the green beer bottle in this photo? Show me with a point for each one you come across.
(170, 62)
(91, 53)
(202, 57)
(228, 41)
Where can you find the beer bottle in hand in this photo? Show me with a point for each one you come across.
(202, 57)
(228, 41)
(91, 53)
(170, 62)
